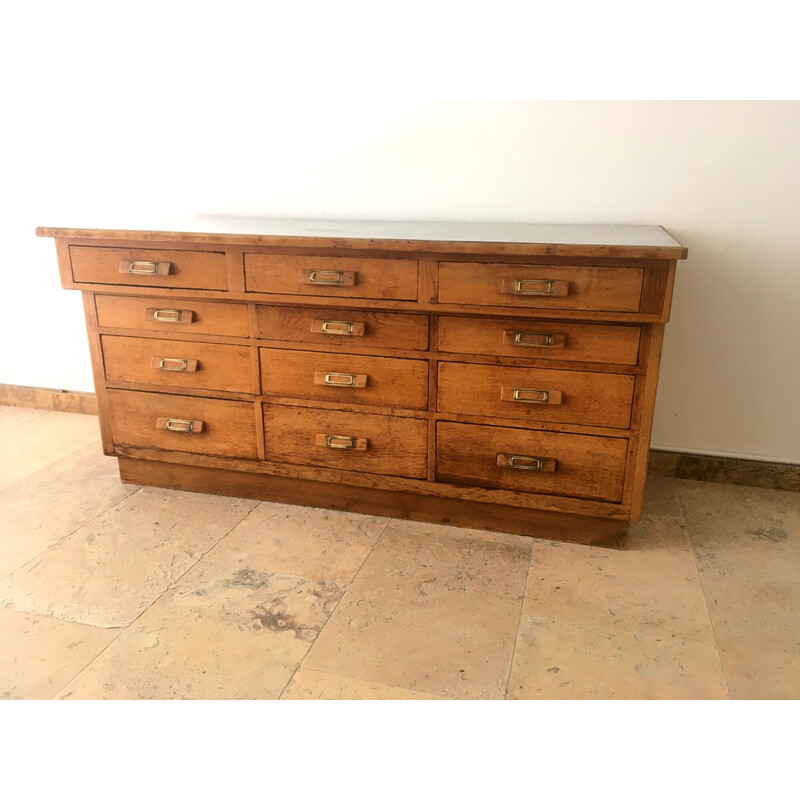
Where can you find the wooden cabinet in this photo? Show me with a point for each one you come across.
(495, 376)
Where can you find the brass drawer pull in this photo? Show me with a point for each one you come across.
(544, 287)
(544, 396)
(146, 267)
(328, 277)
(174, 364)
(340, 379)
(534, 339)
(336, 442)
(337, 327)
(532, 463)
(169, 315)
(179, 425)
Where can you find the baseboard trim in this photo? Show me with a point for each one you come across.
(715, 469)
(689, 466)
(50, 399)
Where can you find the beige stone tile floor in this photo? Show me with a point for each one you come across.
(111, 591)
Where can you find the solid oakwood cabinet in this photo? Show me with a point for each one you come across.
(492, 376)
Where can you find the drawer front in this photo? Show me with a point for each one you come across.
(166, 362)
(541, 286)
(184, 424)
(322, 276)
(520, 338)
(549, 395)
(177, 269)
(384, 445)
(565, 464)
(344, 378)
(172, 316)
(343, 329)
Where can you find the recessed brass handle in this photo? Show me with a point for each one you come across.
(146, 267)
(174, 364)
(169, 315)
(543, 287)
(179, 425)
(532, 463)
(337, 442)
(542, 396)
(534, 339)
(327, 277)
(337, 327)
(346, 379)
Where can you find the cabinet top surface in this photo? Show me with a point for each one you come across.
(637, 241)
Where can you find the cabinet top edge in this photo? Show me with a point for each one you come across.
(613, 241)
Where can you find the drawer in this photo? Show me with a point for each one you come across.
(343, 329)
(166, 362)
(172, 315)
(345, 378)
(565, 464)
(332, 276)
(177, 269)
(183, 424)
(549, 395)
(521, 338)
(384, 445)
(541, 286)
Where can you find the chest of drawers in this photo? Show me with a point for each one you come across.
(500, 377)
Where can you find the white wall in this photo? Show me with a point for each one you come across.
(722, 177)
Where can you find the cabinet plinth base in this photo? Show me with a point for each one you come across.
(401, 505)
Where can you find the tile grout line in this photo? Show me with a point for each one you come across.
(389, 521)
(155, 600)
(702, 587)
(70, 535)
(519, 619)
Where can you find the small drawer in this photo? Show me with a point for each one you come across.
(565, 464)
(173, 316)
(323, 276)
(176, 269)
(183, 424)
(541, 286)
(167, 362)
(343, 329)
(345, 378)
(549, 395)
(523, 338)
(384, 445)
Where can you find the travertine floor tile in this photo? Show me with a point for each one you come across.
(294, 540)
(651, 588)
(220, 633)
(571, 661)
(114, 567)
(40, 655)
(310, 684)
(12, 415)
(43, 508)
(31, 446)
(747, 544)
(433, 609)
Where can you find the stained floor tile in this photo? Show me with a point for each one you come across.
(557, 660)
(112, 569)
(747, 544)
(42, 509)
(33, 445)
(294, 540)
(40, 655)
(219, 633)
(310, 684)
(433, 609)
